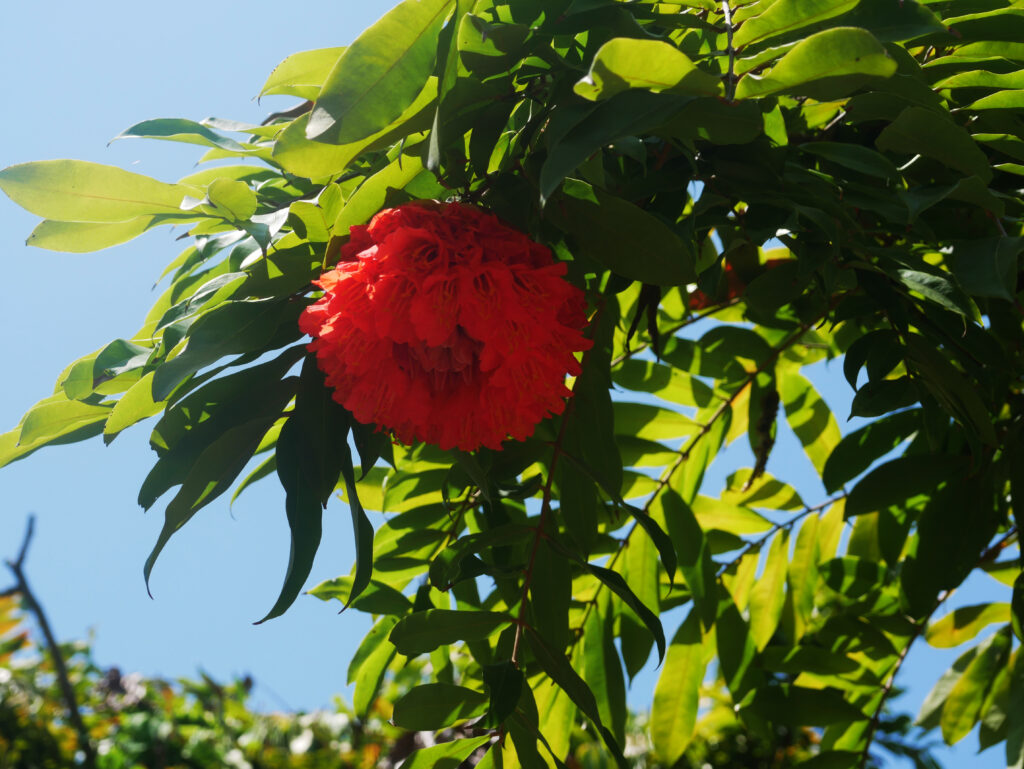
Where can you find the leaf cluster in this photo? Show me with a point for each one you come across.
(743, 191)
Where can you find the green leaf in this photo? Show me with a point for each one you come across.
(369, 198)
(882, 396)
(423, 631)
(312, 452)
(920, 131)
(1015, 713)
(857, 451)
(231, 328)
(436, 705)
(77, 191)
(1001, 100)
(786, 16)
(551, 595)
(55, 420)
(713, 513)
(694, 554)
(602, 667)
(854, 157)
(504, 682)
(231, 199)
(614, 582)
(676, 696)
(809, 417)
(302, 73)
(82, 237)
(1017, 607)
(377, 598)
(963, 624)
(963, 704)
(380, 74)
(765, 492)
(447, 755)
(987, 267)
(623, 63)
(803, 574)
(938, 289)
(931, 709)
(899, 479)
(315, 160)
(826, 65)
(135, 405)
(624, 237)
(768, 594)
(641, 420)
(666, 382)
(852, 576)
(181, 130)
(801, 706)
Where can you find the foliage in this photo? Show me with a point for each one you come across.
(870, 151)
(138, 721)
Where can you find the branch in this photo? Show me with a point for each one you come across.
(60, 668)
(685, 452)
(989, 555)
(730, 80)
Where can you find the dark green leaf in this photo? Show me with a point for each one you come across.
(423, 631)
(433, 706)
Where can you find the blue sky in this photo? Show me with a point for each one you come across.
(76, 76)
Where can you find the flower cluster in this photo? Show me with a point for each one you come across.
(444, 325)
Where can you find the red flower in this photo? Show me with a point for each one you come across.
(443, 325)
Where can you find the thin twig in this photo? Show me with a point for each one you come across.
(59, 666)
(677, 327)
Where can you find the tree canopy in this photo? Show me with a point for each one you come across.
(739, 191)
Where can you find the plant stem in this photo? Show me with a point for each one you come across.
(59, 666)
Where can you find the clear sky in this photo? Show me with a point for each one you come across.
(76, 75)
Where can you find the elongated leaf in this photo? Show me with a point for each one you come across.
(899, 479)
(654, 65)
(380, 74)
(602, 669)
(447, 755)
(78, 191)
(826, 65)
(82, 237)
(962, 707)
(614, 581)
(180, 130)
(768, 594)
(695, 561)
(623, 237)
(786, 16)
(676, 695)
(423, 631)
(963, 624)
(920, 131)
(857, 451)
(312, 452)
(433, 706)
(230, 328)
(810, 418)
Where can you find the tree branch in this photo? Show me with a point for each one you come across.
(17, 568)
